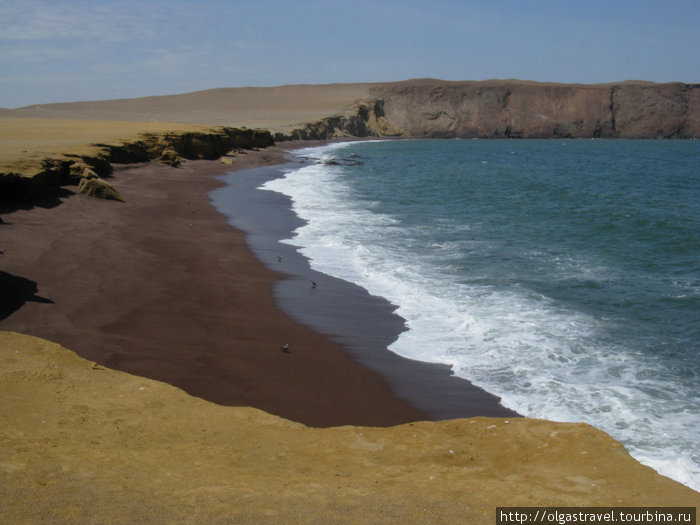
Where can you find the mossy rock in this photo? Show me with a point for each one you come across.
(86, 170)
(97, 187)
(170, 157)
(77, 169)
(89, 173)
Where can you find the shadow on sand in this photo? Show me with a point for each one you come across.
(10, 203)
(15, 291)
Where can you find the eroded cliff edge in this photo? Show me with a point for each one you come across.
(86, 444)
(518, 109)
(26, 184)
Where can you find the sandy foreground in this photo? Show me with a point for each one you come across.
(85, 444)
(146, 286)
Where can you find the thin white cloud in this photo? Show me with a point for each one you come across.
(27, 55)
(40, 20)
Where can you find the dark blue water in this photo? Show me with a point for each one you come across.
(563, 276)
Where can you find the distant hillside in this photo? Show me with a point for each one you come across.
(275, 108)
(419, 108)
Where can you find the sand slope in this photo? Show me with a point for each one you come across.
(82, 443)
(32, 133)
(275, 108)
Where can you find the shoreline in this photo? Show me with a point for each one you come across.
(164, 283)
(363, 324)
(99, 282)
(162, 287)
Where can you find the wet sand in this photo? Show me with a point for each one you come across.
(364, 324)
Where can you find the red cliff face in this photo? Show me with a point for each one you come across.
(657, 111)
(498, 109)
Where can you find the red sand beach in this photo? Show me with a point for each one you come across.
(160, 286)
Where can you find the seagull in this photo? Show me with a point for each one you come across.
(313, 284)
(285, 348)
(279, 258)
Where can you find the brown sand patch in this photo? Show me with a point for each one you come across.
(161, 286)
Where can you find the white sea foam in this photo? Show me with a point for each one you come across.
(543, 359)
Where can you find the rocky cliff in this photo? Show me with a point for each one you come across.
(366, 119)
(517, 109)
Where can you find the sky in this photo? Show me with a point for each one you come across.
(74, 50)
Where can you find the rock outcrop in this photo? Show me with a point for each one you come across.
(88, 173)
(366, 119)
(90, 183)
(656, 110)
(94, 186)
(169, 147)
(516, 109)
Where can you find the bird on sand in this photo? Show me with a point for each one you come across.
(285, 348)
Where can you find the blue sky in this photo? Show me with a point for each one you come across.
(70, 50)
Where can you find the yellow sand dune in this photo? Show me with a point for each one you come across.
(276, 108)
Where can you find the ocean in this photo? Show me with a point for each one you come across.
(560, 275)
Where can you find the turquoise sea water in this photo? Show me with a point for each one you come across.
(563, 276)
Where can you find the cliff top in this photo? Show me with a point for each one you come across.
(25, 142)
(105, 446)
